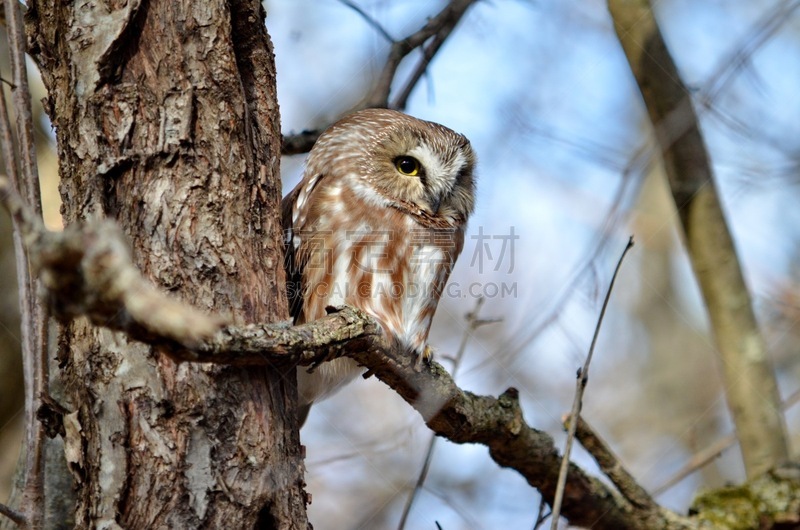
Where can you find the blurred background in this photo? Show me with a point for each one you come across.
(566, 174)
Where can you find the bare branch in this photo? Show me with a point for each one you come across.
(295, 144)
(750, 385)
(29, 183)
(35, 316)
(14, 515)
(580, 388)
(368, 19)
(423, 474)
(611, 466)
(697, 461)
(463, 417)
(541, 514)
(89, 272)
(438, 27)
(428, 52)
(713, 451)
(442, 23)
(760, 34)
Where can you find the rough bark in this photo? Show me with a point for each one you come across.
(750, 386)
(167, 122)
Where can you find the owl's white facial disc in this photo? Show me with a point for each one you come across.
(440, 173)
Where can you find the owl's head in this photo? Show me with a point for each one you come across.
(419, 167)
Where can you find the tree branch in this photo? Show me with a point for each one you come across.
(438, 27)
(580, 388)
(368, 19)
(441, 24)
(750, 385)
(34, 314)
(17, 517)
(610, 465)
(88, 271)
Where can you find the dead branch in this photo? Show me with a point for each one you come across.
(580, 388)
(88, 271)
(17, 517)
(441, 24)
(34, 314)
(368, 19)
(750, 384)
(712, 451)
(611, 465)
(302, 142)
(437, 30)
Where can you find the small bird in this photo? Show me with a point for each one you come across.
(377, 222)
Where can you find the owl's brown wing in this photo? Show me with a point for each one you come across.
(451, 243)
(294, 270)
(293, 263)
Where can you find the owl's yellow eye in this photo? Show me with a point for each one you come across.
(407, 165)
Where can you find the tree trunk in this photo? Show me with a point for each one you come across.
(167, 121)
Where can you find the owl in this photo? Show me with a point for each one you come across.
(376, 222)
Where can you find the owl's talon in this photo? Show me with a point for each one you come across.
(425, 357)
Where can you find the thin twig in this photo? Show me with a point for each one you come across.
(368, 19)
(473, 323)
(34, 314)
(577, 403)
(423, 474)
(445, 21)
(428, 52)
(734, 61)
(610, 465)
(541, 515)
(14, 515)
(439, 27)
(698, 461)
(710, 453)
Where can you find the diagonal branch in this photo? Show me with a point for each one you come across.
(712, 451)
(368, 19)
(441, 24)
(580, 388)
(611, 465)
(437, 30)
(15, 516)
(750, 386)
(88, 271)
(428, 52)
